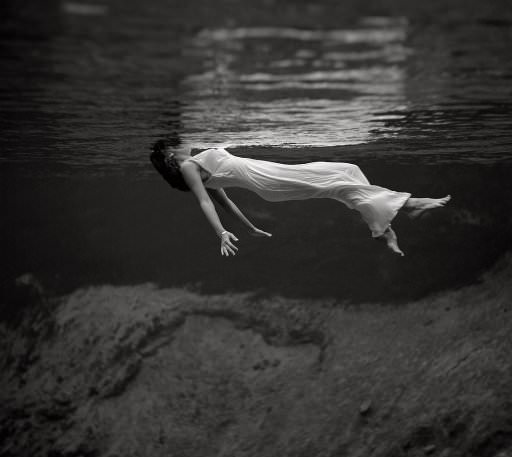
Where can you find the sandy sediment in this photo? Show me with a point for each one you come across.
(143, 371)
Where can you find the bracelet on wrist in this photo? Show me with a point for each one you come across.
(222, 233)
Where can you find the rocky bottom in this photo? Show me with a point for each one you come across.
(143, 371)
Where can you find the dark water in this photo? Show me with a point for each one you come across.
(419, 95)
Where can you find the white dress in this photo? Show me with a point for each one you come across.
(273, 181)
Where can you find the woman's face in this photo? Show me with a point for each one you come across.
(181, 150)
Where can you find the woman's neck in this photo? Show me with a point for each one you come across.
(182, 153)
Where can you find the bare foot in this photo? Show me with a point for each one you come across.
(419, 205)
(389, 236)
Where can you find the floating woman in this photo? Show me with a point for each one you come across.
(207, 173)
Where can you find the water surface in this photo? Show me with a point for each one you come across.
(418, 95)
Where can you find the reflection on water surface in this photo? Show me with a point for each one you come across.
(93, 86)
(294, 87)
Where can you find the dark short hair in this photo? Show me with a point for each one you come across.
(166, 164)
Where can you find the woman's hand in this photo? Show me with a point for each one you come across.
(257, 232)
(226, 246)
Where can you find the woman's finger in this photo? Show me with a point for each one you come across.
(231, 245)
(259, 232)
(227, 247)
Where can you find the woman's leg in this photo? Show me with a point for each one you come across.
(389, 237)
(377, 205)
(417, 206)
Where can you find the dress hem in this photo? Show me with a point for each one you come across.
(379, 231)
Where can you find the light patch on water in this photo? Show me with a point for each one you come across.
(376, 35)
(391, 53)
(384, 21)
(84, 9)
(368, 74)
(289, 87)
(326, 122)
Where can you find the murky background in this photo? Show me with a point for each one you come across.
(419, 95)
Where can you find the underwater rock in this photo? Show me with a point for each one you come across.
(145, 371)
(365, 407)
(430, 449)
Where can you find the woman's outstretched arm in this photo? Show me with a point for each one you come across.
(220, 196)
(193, 179)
